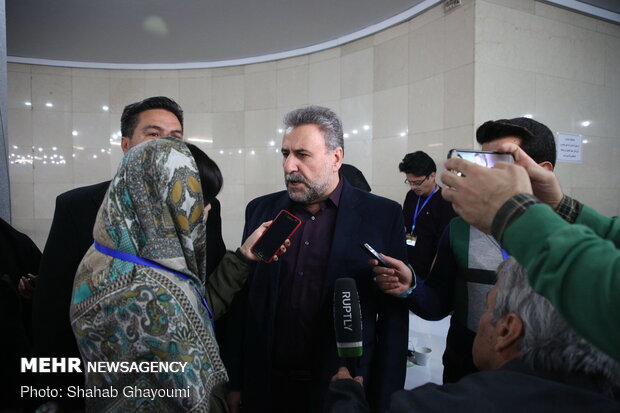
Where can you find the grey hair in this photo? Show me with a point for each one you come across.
(324, 118)
(547, 342)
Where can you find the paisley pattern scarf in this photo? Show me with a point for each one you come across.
(121, 311)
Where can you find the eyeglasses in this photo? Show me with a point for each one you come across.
(416, 183)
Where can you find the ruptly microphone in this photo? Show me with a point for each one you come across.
(348, 322)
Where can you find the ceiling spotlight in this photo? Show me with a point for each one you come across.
(354, 131)
(239, 151)
(585, 141)
(585, 123)
(280, 130)
(74, 133)
(105, 108)
(272, 143)
(528, 115)
(346, 135)
(54, 148)
(366, 127)
(28, 103)
(252, 152)
(49, 104)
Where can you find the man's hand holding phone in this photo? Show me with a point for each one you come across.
(394, 279)
(478, 194)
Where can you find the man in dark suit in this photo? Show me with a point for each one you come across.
(288, 344)
(71, 235)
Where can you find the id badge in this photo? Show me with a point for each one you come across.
(411, 239)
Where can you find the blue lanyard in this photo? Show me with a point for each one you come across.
(418, 211)
(505, 254)
(125, 256)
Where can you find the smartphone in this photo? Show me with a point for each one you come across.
(487, 159)
(282, 227)
(374, 254)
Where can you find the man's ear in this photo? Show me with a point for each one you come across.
(338, 155)
(509, 332)
(125, 144)
(547, 165)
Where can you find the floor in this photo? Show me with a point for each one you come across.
(430, 334)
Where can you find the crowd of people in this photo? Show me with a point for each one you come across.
(135, 269)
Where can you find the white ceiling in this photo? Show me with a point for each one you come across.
(184, 31)
(196, 33)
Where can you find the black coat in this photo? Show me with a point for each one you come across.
(70, 237)
(513, 388)
(362, 217)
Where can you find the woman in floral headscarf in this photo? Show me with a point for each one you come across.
(138, 293)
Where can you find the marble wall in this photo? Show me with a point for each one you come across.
(564, 69)
(421, 85)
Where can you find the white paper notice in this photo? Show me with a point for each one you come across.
(569, 147)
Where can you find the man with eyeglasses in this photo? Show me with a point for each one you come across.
(464, 269)
(425, 211)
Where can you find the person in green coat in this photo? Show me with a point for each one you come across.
(570, 251)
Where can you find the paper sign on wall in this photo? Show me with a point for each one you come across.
(569, 146)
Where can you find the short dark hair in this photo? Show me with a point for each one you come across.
(536, 139)
(211, 180)
(418, 163)
(129, 118)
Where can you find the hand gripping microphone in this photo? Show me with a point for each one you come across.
(348, 322)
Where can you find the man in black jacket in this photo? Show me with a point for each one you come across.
(71, 235)
(530, 360)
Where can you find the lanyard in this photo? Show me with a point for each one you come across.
(505, 254)
(419, 210)
(125, 256)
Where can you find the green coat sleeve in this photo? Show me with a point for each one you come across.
(225, 281)
(575, 266)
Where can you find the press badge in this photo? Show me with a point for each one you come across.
(411, 239)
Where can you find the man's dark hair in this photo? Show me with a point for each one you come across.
(131, 113)
(418, 163)
(536, 139)
(211, 180)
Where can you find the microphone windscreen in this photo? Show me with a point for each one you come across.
(347, 318)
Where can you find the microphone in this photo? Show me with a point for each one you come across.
(348, 322)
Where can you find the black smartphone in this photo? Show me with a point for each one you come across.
(283, 226)
(374, 254)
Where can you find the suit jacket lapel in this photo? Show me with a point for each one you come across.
(347, 221)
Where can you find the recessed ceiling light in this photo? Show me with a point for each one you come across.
(49, 104)
(105, 108)
(586, 123)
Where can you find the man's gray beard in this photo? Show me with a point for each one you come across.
(312, 192)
